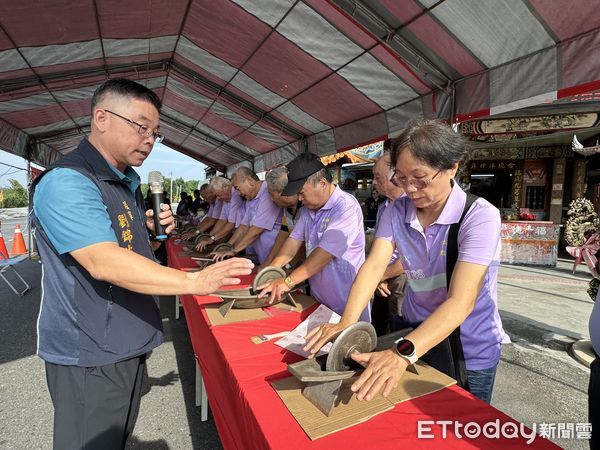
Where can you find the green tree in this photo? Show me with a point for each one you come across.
(179, 184)
(15, 196)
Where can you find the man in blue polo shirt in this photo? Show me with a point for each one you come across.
(99, 316)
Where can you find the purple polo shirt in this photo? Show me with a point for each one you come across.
(208, 213)
(241, 213)
(225, 209)
(262, 212)
(380, 210)
(423, 255)
(215, 209)
(337, 228)
(211, 208)
(236, 207)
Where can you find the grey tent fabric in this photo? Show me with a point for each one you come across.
(256, 82)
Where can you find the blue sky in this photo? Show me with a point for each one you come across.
(163, 158)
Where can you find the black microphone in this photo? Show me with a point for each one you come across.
(155, 184)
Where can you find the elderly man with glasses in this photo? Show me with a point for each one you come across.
(99, 315)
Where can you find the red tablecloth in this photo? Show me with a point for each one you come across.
(250, 415)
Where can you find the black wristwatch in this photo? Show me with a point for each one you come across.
(406, 349)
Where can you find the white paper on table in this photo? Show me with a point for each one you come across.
(295, 342)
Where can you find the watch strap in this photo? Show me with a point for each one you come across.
(410, 357)
(288, 282)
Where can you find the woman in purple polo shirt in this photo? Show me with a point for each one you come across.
(425, 159)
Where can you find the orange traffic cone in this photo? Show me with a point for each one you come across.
(18, 247)
(3, 249)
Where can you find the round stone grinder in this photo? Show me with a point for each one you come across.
(248, 298)
(201, 237)
(223, 247)
(357, 338)
(267, 274)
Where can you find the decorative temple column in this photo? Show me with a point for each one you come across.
(556, 196)
(578, 181)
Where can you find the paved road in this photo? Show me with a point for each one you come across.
(544, 311)
(8, 219)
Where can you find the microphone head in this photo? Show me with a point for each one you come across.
(155, 182)
(155, 177)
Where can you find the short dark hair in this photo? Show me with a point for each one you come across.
(387, 145)
(125, 88)
(432, 142)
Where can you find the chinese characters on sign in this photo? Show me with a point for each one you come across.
(517, 185)
(529, 243)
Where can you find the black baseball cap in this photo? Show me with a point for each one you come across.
(299, 169)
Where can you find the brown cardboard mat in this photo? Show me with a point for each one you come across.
(349, 411)
(428, 381)
(245, 315)
(304, 302)
(234, 315)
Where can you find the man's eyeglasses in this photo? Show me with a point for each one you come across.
(417, 183)
(142, 129)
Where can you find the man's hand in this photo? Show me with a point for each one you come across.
(383, 370)
(383, 289)
(203, 244)
(166, 219)
(189, 234)
(223, 255)
(277, 288)
(321, 335)
(224, 273)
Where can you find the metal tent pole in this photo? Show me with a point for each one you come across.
(30, 231)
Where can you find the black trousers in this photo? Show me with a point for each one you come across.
(384, 308)
(594, 403)
(95, 407)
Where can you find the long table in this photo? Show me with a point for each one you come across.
(250, 415)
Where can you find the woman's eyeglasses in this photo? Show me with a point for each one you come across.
(417, 183)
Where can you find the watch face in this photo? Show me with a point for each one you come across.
(405, 347)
